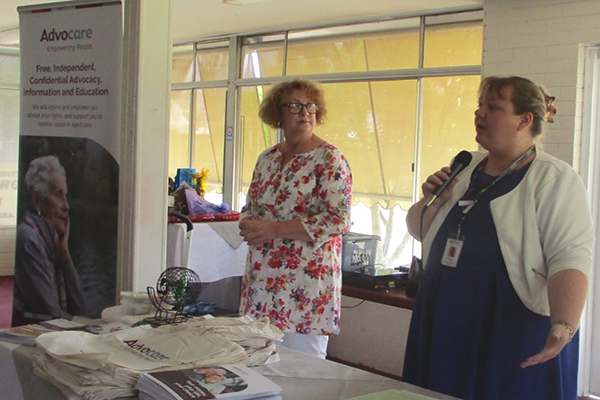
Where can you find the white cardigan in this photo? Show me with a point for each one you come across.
(544, 225)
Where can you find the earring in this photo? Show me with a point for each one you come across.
(39, 212)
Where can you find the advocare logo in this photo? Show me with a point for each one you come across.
(73, 34)
(141, 348)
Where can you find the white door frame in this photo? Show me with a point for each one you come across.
(590, 173)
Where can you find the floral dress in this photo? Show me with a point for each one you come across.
(296, 283)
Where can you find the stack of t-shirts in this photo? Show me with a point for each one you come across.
(257, 338)
(108, 366)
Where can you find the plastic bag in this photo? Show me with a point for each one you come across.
(189, 202)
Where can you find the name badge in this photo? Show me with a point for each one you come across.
(452, 251)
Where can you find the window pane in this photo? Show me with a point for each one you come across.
(212, 61)
(395, 111)
(182, 64)
(325, 55)
(396, 50)
(355, 48)
(209, 135)
(179, 131)
(448, 117)
(256, 136)
(373, 124)
(9, 151)
(9, 70)
(453, 44)
(262, 56)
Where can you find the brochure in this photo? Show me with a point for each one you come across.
(27, 334)
(234, 381)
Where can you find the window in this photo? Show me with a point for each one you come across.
(400, 95)
(9, 134)
(198, 101)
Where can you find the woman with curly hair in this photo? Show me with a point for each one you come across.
(298, 207)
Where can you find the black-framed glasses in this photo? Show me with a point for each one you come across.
(296, 108)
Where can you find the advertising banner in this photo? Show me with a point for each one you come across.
(69, 152)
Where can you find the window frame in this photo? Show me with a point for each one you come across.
(234, 135)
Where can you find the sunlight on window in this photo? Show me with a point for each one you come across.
(255, 64)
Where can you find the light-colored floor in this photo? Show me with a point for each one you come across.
(6, 299)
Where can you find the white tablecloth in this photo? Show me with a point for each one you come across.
(301, 376)
(216, 249)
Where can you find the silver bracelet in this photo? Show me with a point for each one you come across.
(568, 327)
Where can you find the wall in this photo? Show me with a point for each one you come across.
(371, 335)
(541, 40)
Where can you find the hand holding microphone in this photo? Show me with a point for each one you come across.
(461, 161)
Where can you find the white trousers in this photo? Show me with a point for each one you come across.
(315, 345)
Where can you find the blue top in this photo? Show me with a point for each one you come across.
(469, 331)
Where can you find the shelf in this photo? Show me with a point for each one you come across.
(392, 297)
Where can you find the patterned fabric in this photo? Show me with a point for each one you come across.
(297, 284)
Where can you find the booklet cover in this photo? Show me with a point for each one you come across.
(233, 381)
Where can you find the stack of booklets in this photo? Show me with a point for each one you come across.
(234, 381)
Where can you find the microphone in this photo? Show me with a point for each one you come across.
(461, 161)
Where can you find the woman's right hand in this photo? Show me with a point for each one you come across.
(256, 231)
(435, 180)
(414, 217)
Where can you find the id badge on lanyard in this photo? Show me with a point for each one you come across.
(454, 246)
(454, 243)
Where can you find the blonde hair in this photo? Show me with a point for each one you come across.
(526, 97)
(271, 109)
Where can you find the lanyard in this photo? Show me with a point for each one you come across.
(507, 171)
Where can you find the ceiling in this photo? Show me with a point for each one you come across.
(194, 19)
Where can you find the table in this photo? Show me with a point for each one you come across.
(301, 376)
(305, 377)
(216, 253)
